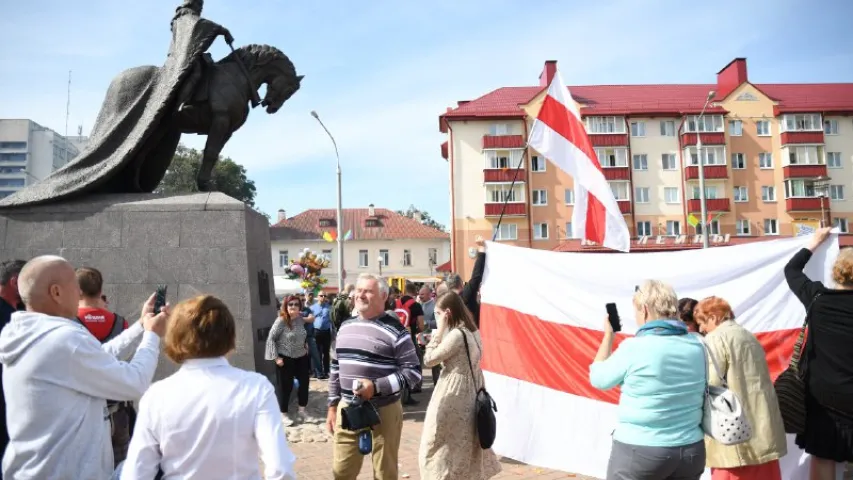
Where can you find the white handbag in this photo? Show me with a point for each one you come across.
(723, 417)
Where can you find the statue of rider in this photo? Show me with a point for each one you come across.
(192, 36)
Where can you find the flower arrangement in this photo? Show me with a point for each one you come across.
(307, 269)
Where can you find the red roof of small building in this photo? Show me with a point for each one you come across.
(390, 226)
(444, 267)
(657, 99)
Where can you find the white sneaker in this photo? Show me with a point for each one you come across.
(287, 420)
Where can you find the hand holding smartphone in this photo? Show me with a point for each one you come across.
(613, 317)
(160, 298)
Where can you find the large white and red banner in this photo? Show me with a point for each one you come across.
(541, 322)
(559, 135)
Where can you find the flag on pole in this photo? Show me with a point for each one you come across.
(327, 237)
(693, 221)
(559, 135)
(348, 235)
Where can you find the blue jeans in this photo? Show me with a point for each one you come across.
(314, 352)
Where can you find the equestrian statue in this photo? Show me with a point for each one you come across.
(148, 108)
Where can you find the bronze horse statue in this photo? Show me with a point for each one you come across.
(139, 126)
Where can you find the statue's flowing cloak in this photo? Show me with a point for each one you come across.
(132, 142)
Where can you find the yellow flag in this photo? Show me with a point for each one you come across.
(693, 221)
(327, 236)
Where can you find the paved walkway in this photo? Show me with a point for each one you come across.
(314, 459)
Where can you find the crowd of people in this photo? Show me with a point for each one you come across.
(665, 369)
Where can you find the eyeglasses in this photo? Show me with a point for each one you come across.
(293, 304)
(321, 296)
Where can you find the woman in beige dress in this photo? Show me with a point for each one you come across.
(450, 449)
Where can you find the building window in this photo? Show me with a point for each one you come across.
(667, 128)
(833, 159)
(13, 157)
(12, 182)
(540, 197)
(641, 162)
(742, 227)
(638, 129)
(383, 258)
(807, 155)
(830, 127)
(498, 159)
(735, 128)
(407, 258)
(328, 254)
(612, 157)
(620, 190)
(667, 161)
(807, 122)
(644, 229)
(711, 155)
(715, 227)
(741, 194)
(363, 261)
(771, 226)
(570, 196)
(21, 169)
(765, 160)
(768, 193)
(506, 231)
(708, 123)
(500, 193)
(840, 224)
(432, 254)
(537, 163)
(283, 258)
(710, 193)
(496, 129)
(836, 192)
(605, 125)
(738, 162)
(670, 195)
(800, 189)
(568, 229)
(540, 231)
(673, 227)
(14, 145)
(641, 194)
(762, 128)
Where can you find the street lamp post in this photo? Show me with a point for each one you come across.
(821, 186)
(340, 214)
(703, 207)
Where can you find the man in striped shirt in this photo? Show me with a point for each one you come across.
(374, 349)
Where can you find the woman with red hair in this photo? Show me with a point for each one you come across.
(287, 345)
(743, 364)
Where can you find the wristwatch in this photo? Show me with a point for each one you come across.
(375, 389)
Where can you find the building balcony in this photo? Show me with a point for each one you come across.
(609, 140)
(711, 138)
(711, 171)
(513, 209)
(503, 141)
(789, 138)
(804, 204)
(711, 204)
(624, 206)
(804, 171)
(617, 173)
(502, 175)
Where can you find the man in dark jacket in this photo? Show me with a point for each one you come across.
(469, 291)
(10, 302)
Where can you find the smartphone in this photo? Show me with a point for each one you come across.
(160, 298)
(613, 315)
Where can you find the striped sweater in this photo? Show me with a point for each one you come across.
(380, 350)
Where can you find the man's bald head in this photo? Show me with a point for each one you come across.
(48, 285)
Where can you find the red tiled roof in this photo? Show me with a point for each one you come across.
(444, 267)
(574, 245)
(656, 99)
(392, 226)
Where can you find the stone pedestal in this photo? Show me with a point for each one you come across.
(196, 244)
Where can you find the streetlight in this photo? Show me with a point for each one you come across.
(340, 214)
(821, 186)
(703, 208)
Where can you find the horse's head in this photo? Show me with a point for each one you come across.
(279, 90)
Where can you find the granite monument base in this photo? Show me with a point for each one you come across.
(203, 243)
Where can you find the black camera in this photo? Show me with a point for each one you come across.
(359, 415)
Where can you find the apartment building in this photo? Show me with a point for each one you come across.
(380, 241)
(30, 152)
(778, 159)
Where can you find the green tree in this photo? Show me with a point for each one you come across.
(228, 177)
(425, 218)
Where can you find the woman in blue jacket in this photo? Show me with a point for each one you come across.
(662, 374)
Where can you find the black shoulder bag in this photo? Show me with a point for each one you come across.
(790, 385)
(484, 405)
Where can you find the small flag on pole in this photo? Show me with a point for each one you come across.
(693, 221)
(327, 237)
(348, 235)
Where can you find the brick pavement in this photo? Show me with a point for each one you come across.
(314, 460)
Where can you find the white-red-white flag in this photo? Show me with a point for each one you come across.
(559, 135)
